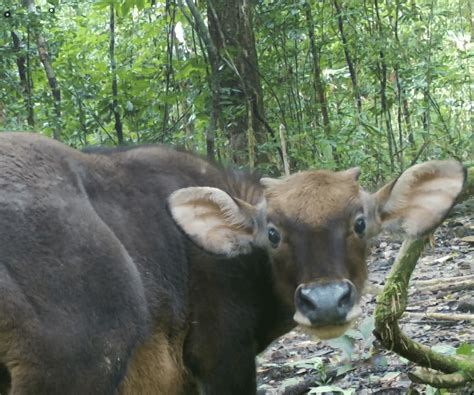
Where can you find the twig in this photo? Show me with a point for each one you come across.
(283, 150)
(452, 285)
(440, 316)
(437, 281)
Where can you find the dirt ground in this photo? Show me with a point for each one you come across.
(356, 363)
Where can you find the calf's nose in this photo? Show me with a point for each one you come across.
(327, 303)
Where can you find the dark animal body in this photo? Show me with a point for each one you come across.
(149, 271)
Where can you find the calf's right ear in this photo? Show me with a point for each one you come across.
(420, 198)
(217, 222)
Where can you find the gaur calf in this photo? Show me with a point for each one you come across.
(154, 271)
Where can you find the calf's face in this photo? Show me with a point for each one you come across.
(315, 226)
(317, 223)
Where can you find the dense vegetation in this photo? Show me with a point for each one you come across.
(379, 84)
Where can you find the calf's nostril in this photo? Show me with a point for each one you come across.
(346, 298)
(304, 301)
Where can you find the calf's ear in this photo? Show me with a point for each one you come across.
(217, 222)
(420, 198)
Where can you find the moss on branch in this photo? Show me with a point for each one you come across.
(391, 304)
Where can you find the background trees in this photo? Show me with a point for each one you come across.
(377, 84)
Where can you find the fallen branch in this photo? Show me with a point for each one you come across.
(314, 380)
(459, 285)
(437, 380)
(437, 281)
(440, 316)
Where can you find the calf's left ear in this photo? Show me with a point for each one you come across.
(421, 197)
(215, 221)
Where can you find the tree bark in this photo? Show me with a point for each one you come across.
(317, 80)
(391, 305)
(350, 63)
(231, 31)
(171, 13)
(213, 76)
(24, 80)
(50, 74)
(382, 66)
(113, 69)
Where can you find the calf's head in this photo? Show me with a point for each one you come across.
(315, 226)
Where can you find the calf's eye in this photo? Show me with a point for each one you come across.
(359, 226)
(274, 237)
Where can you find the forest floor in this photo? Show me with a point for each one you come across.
(356, 363)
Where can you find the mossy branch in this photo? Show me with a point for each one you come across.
(391, 304)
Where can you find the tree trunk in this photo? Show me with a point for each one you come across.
(317, 80)
(24, 80)
(382, 66)
(50, 74)
(230, 28)
(349, 61)
(213, 76)
(426, 116)
(171, 14)
(113, 69)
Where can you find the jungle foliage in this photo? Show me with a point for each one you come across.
(376, 84)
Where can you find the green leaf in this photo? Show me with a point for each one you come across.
(344, 369)
(344, 343)
(125, 8)
(367, 327)
(101, 4)
(290, 382)
(465, 349)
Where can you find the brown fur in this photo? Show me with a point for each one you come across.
(156, 367)
(323, 202)
(101, 291)
(313, 197)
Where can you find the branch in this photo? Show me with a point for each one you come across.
(451, 380)
(50, 74)
(391, 304)
(214, 82)
(447, 281)
(441, 316)
(454, 284)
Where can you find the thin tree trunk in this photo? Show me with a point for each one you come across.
(296, 76)
(113, 69)
(182, 54)
(406, 115)
(24, 80)
(426, 117)
(169, 65)
(399, 117)
(349, 61)
(214, 82)
(317, 80)
(400, 90)
(403, 108)
(383, 95)
(50, 74)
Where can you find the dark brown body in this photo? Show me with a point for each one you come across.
(92, 266)
(102, 293)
